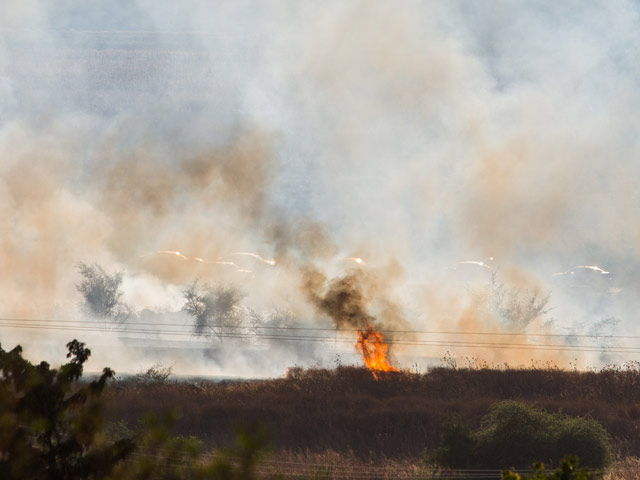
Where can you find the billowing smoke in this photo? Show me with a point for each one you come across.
(343, 301)
(346, 300)
(478, 161)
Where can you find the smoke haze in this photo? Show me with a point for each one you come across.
(470, 155)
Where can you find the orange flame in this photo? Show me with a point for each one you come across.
(374, 351)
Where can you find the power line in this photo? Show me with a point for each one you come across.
(316, 338)
(331, 329)
(333, 470)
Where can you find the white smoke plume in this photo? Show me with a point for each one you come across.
(436, 142)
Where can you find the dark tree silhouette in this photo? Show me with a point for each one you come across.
(49, 425)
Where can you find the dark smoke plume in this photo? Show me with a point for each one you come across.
(342, 299)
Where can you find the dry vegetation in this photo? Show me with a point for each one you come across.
(346, 410)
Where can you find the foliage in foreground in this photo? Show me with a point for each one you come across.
(51, 429)
(567, 471)
(49, 425)
(517, 434)
(161, 456)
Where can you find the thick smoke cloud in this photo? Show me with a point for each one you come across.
(343, 301)
(414, 137)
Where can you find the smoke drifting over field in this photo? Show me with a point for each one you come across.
(438, 142)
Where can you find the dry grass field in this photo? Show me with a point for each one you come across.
(348, 413)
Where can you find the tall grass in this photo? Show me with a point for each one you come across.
(397, 416)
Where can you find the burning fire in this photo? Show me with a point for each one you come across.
(374, 351)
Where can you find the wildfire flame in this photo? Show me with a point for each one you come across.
(374, 351)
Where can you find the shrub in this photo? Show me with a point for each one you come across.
(458, 446)
(514, 434)
(157, 374)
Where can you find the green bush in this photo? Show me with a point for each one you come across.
(458, 446)
(163, 456)
(514, 434)
(586, 438)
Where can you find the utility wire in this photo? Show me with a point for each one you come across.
(327, 329)
(316, 338)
